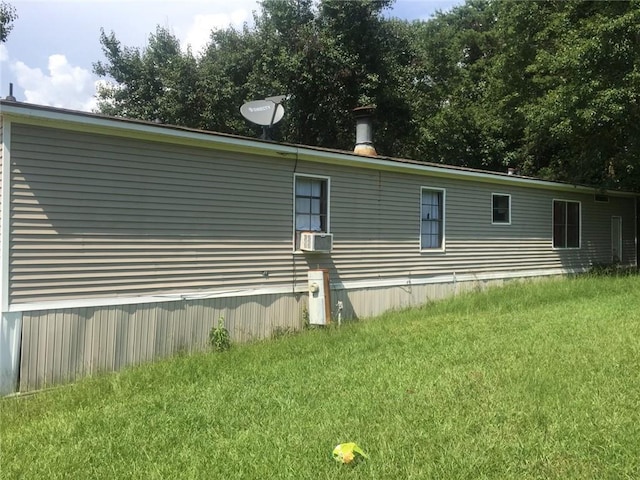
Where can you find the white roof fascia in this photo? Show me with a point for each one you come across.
(94, 123)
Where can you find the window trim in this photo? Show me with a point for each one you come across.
(496, 194)
(553, 201)
(314, 177)
(443, 245)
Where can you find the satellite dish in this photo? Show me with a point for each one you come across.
(263, 112)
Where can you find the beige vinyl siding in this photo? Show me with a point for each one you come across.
(99, 216)
(95, 216)
(376, 227)
(599, 225)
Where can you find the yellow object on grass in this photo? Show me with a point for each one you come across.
(348, 452)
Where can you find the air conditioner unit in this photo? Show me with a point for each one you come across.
(316, 242)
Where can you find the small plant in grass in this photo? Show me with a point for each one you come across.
(280, 332)
(305, 318)
(219, 337)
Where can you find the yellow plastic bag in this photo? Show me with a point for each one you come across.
(348, 453)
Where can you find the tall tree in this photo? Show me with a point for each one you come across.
(7, 17)
(154, 83)
(328, 61)
(455, 51)
(567, 88)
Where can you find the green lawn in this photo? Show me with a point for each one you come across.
(537, 380)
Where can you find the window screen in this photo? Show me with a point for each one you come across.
(432, 219)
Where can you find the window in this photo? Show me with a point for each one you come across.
(432, 219)
(501, 208)
(311, 205)
(566, 224)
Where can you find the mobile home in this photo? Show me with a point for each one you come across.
(123, 241)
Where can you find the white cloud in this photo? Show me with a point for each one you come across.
(64, 85)
(198, 32)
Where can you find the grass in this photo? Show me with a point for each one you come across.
(540, 380)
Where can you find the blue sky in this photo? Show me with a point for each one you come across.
(50, 51)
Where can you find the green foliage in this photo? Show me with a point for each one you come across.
(155, 83)
(455, 51)
(566, 81)
(7, 16)
(219, 337)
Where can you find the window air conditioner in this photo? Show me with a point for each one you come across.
(316, 242)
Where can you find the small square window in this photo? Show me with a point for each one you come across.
(501, 208)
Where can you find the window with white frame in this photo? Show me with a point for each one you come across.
(311, 205)
(432, 219)
(500, 208)
(566, 224)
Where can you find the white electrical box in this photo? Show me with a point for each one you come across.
(319, 297)
(316, 242)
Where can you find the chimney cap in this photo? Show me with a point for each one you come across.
(364, 111)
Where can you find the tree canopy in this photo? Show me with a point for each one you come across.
(549, 88)
(7, 17)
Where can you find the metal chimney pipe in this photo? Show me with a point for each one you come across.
(10, 97)
(364, 131)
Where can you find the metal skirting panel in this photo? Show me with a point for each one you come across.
(369, 302)
(65, 345)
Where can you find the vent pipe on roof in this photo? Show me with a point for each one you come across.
(10, 97)
(364, 131)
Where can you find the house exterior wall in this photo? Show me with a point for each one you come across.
(97, 217)
(127, 247)
(94, 217)
(375, 223)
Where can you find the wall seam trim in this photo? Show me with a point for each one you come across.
(286, 289)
